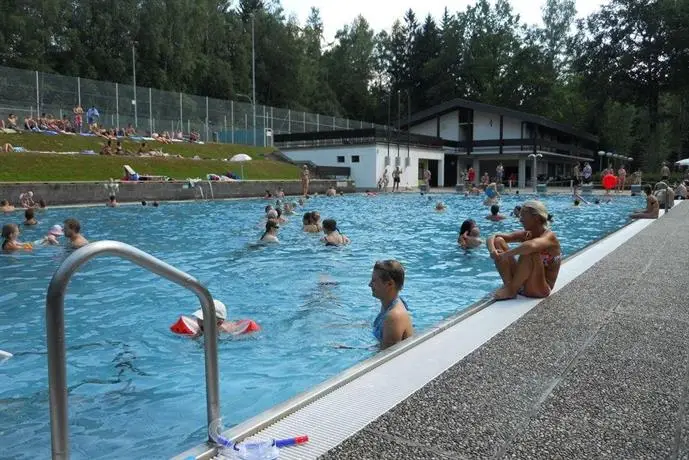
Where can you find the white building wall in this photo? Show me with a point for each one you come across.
(363, 173)
(410, 174)
(427, 128)
(511, 128)
(486, 126)
(449, 126)
(372, 162)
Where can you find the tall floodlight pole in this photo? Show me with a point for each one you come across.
(136, 117)
(399, 120)
(253, 74)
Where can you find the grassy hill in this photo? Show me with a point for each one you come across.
(47, 167)
(36, 142)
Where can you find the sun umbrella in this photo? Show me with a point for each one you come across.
(241, 158)
(684, 162)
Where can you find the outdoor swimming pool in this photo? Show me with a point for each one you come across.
(137, 391)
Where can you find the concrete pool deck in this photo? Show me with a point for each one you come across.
(598, 370)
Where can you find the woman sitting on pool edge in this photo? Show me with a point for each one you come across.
(535, 272)
(333, 237)
(393, 323)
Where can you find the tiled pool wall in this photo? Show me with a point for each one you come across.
(59, 193)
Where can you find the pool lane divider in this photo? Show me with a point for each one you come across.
(336, 409)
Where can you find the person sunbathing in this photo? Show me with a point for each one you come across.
(30, 124)
(107, 148)
(11, 122)
(652, 209)
(530, 269)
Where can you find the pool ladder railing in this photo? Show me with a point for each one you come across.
(55, 325)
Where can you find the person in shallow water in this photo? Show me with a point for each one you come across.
(469, 235)
(271, 233)
(393, 323)
(193, 327)
(10, 233)
(72, 229)
(333, 237)
(531, 268)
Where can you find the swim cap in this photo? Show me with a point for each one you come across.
(220, 311)
(56, 230)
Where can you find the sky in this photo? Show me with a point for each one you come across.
(381, 14)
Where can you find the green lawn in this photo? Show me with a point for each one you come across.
(40, 167)
(36, 142)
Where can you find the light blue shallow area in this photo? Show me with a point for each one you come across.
(137, 391)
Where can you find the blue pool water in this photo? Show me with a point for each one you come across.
(137, 391)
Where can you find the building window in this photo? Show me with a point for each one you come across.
(340, 159)
(355, 158)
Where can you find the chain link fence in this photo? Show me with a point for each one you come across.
(29, 93)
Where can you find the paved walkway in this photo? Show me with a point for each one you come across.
(598, 370)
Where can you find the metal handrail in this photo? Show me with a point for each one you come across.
(55, 325)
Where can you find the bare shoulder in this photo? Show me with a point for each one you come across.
(398, 313)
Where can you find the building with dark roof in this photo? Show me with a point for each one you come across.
(448, 139)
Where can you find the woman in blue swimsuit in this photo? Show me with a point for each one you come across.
(393, 323)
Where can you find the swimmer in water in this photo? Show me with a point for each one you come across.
(316, 220)
(469, 235)
(5, 206)
(280, 219)
(268, 195)
(331, 192)
(517, 211)
(272, 215)
(72, 229)
(268, 209)
(495, 215)
(440, 206)
(531, 268)
(10, 233)
(289, 209)
(280, 193)
(51, 238)
(224, 326)
(333, 237)
(576, 203)
(112, 202)
(393, 323)
(309, 226)
(29, 218)
(271, 233)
